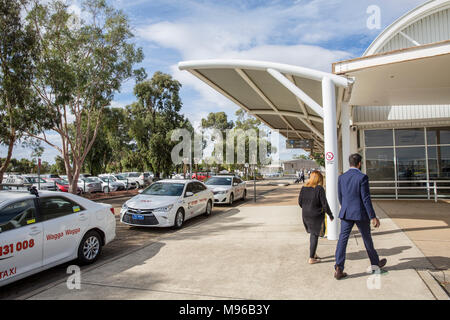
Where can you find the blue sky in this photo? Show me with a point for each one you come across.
(310, 33)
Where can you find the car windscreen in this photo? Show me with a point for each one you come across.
(36, 180)
(120, 177)
(90, 180)
(219, 182)
(165, 189)
(133, 175)
(62, 182)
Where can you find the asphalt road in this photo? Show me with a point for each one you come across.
(127, 240)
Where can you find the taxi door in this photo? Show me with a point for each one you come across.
(65, 223)
(202, 197)
(21, 237)
(192, 202)
(238, 190)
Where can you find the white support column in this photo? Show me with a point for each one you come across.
(345, 129)
(331, 154)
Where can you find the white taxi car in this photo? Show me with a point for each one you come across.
(168, 203)
(226, 189)
(38, 233)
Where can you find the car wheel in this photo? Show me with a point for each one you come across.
(179, 219)
(208, 208)
(231, 199)
(90, 247)
(245, 195)
(105, 190)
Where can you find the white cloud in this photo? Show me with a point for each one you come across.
(295, 33)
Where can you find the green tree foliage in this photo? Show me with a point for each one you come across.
(79, 69)
(246, 122)
(219, 121)
(152, 120)
(302, 157)
(59, 166)
(243, 122)
(319, 158)
(112, 146)
(18, 107)
(25, 166)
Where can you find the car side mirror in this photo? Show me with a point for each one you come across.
(189, 194)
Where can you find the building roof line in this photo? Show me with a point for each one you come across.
(405, 21)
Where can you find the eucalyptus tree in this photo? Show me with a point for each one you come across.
(19, 110)
(153, 118)
(81, 65)
(113, 144)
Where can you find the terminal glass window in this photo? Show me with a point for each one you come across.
(380, 164)
(408, 162)
(379, 138)
(438, 136)
(411, 163)
(409, 137)
(439, 162)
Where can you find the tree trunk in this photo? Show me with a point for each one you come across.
(73, 185)
(4, 167)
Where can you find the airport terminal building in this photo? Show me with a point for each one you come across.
(400, 105)
(392, 105)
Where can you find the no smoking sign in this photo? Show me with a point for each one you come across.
(330, 156)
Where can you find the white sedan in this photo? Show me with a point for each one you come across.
(226, 189)
(38, 233)
(168, 203)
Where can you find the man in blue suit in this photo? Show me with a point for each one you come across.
(356, 208)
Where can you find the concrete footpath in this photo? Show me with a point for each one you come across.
(253, 252)
(427, 224)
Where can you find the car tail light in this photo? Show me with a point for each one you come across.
(112, 211)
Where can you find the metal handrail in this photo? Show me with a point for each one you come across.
(430, 184)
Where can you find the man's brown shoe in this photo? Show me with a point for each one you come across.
(339, 274)
(382, 263)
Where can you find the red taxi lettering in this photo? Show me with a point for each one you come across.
(56, 236)
(8, 273)
(19, 246)
(72, 232)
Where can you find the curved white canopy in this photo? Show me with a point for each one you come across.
(286, 98)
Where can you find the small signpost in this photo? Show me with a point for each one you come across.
(39, 173)
(254, 183)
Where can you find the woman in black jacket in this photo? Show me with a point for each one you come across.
(314, 204)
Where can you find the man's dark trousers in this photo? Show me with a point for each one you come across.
(364, 229)
(356, 208)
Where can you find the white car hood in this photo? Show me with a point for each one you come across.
(150, 202)
(219, 188)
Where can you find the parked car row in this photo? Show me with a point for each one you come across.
(168, 203)
(86, 184)
(39, 230)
